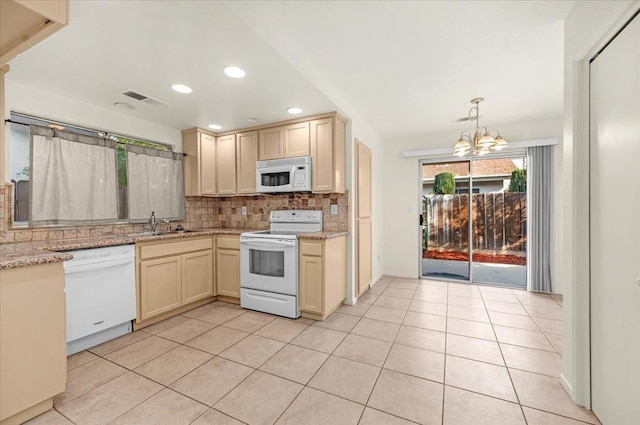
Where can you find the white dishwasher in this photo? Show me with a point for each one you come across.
(100, 285)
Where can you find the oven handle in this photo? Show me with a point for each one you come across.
(267, 242)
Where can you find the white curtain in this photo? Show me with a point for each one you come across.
(540, 193)
(73, 178)
(155, 182)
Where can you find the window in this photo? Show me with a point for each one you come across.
(465, 190)
(20, 161)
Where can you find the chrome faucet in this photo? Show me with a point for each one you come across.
(153, 223)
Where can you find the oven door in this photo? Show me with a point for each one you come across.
(269, 265)
(275, 179)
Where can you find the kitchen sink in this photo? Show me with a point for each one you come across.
(160, 233)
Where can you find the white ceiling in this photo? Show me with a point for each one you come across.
(406, 67)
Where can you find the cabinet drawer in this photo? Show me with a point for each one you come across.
(175, 247)
(229, 242)
(311, 248)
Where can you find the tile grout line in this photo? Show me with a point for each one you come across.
(444, 371)
(382, 367)
(505, 365)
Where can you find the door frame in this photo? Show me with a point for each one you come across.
(434, 159)
(576, 366)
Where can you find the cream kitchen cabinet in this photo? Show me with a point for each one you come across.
(226, 165)
(173, 276)
(236, 156)
(246, 157)
(287, 141)
(323, 276)
(228, 267)
(328, 155)
(199, 163)
(33, 347)
(23, 24)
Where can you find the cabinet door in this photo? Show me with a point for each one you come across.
(311, 277)
(228, 272)
(296, 140)
(226, 165)
(270, 143)
(322, 165)
(160, 286)
(207, 164)
(197, 276)
(246, 157)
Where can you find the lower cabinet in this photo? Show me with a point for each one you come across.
(172, 275)
(33, 346)
(228, 266)
(323, 276)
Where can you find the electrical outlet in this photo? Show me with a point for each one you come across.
(244, 210)
(334, 209)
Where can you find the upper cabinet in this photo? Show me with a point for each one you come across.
(328, 155)
(226, 165)
(286, 141)
(246, 157)
(199, 163)
(24, 23)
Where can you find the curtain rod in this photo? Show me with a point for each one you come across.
(15, 122)
(27, 125)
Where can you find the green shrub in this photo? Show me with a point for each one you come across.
(444, 184)
(518, 181)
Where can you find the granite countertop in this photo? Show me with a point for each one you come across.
(323, 235)
(24, 254)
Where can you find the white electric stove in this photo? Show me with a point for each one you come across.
(269, 262)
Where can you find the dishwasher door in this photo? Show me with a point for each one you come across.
(101, 291)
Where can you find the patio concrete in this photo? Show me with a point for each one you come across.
(500, 274)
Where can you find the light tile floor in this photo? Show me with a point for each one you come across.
(410, 351)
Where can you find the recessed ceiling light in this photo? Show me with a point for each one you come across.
(124, 105)
(181, 88)
(294, 110)
(234, 72)
(250, 119)
(214, 126)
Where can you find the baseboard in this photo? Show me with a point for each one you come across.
(567, 387)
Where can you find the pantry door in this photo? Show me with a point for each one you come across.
(614, 230)
(364, 254)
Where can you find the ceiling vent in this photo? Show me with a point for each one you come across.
(144, 98)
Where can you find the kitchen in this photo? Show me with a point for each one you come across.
(233, 185)
(286, 357)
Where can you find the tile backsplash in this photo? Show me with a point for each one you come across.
(201, 213)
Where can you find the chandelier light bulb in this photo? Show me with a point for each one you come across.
(478, 145)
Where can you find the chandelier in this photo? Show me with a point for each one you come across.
(480, 143)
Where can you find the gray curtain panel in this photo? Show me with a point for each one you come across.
(540, 192)
(155, 182)
(73, 178)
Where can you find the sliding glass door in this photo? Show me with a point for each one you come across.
(474, 220)
(446, 221)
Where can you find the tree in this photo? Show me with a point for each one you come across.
(518, 180)
(444, 184)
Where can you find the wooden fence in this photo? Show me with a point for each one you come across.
(499, 222)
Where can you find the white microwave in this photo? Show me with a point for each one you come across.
(284, 175)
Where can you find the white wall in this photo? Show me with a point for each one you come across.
(402, 188)
(34, 101)
(588, 26)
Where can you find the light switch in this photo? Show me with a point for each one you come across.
(244, 210)
(334, 209)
